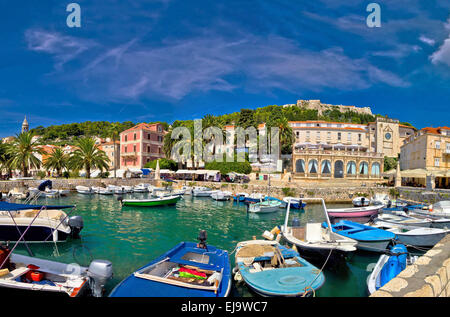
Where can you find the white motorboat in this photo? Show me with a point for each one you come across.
(127, 189)
(435, 222)
(380, 199)
(32, 274)
(361, 202)
(202, 192)
(105, 191)
(141, 188)
(221, 195)
(51, 193)
(95, 189)
(187, 190)
(314, 239)
(35, 192)
(264, 206)
(17, 194)
(402, 221)
(415, 236)
(84, 190)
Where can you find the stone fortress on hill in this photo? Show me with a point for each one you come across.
(320, 107)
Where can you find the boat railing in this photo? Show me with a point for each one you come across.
(286, 220)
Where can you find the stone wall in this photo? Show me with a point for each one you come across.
(330, 194)
(429, 276)
(6, 186)
(424, 195)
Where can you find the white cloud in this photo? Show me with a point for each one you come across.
(427, 40)
(442, 55)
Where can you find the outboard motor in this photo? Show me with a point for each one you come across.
(362, 201)
(202, 236)
(76, 224)
(99, 272)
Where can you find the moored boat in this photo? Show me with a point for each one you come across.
(221, 195)
(240, 197)
(369, 238)
(202, 192)
(264, 206)
(271, 269)
(187, 270)
(296, 203)
(151, 202)
(361, 202)
(389, 265)
(84, 190)
(355, 212)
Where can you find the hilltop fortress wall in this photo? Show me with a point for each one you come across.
(320, 107)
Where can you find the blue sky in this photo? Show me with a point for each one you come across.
(169, 59)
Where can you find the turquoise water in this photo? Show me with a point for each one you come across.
(130, 237)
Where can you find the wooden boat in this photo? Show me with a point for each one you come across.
(361, 202)
(84, 190)
(152, 202)
(296, 203)
(264, 206)
(187, 270)
(355, 212)
(30, 274)
(369, 238)
(389, 265)
(415, 236)
(271, 269)
(313, 240)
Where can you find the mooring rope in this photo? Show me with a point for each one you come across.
(317, 275)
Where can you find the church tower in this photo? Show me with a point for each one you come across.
(25, 125)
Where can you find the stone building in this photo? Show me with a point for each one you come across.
(427, 153)
(325, 150)
(112, 150)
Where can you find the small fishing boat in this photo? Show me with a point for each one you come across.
(187, 190)
(296, 203)
(151, 202)
(315, 241)
(127, 189)
(187, 270)
(25, 273)
(381, 199)
(221, 195)
(271, 269)
(264, 206)
(51, 193)
(35, 192)
(389, 265)
(403, 221)
(105, 191)
(95, 189)
(355, 212)
(255, 198)
(361, 202)
(438, 210)
(84, 190)
(240, 197)
(369, 238)
(415, 236)
(202, 192)
(141, 188)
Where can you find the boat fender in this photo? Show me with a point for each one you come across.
(268, 235)
(238, 277)
(275, 230)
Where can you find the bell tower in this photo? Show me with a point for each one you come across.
(25, 125)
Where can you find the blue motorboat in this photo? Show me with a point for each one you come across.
(369, 238)
(187, 270)
(271, 269)
(389, 265)
(296, 203)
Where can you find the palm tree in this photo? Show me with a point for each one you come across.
(22, 151)
(57, 160)
(5, 160)
(88, 155)
(114, 133)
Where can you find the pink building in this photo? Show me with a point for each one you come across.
(141, 144)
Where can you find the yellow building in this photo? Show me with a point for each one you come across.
(325, 150)
(428, 152)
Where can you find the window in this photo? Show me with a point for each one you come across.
(297, 134)
(349, 136)
(376, 169)
(339, 136)
(359, 137)
(329, 135)
(436, 161)
(318, 134)
(438, 145)
(300, 166)
(126, 138)
(325, 167)
(148, 149)
(363, 168)
(159, 128)
(312, 167)
(134, 148)
(126, 149)
(388, 136)
(351, 168)
(148, 136)
(134, 136)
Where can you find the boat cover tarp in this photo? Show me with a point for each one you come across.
(6, 206)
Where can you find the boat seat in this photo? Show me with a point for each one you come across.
(299, 233)
(313, 232)
(17, 272)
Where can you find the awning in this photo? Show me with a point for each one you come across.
(185, 172)
(5, 206)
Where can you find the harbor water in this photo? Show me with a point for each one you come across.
(130, 237)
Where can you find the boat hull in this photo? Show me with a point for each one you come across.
(36, 234)
(151, 203)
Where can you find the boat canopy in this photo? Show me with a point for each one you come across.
(6, 206)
